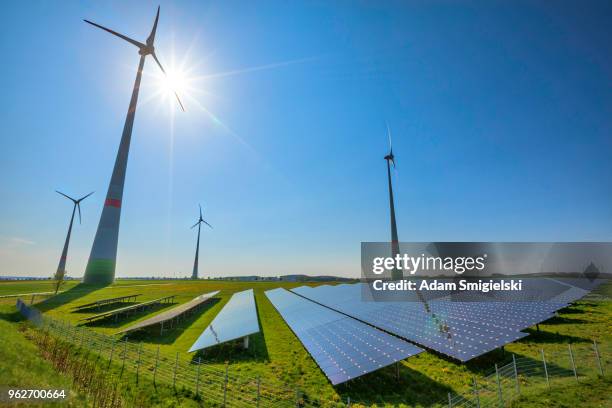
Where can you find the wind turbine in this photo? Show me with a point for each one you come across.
(102, 259)
(194, 275)
(61, 268)
(396, 274)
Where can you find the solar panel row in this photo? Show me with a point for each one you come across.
(236, 320)
(343, 348)
(458, 328)
(173, 313)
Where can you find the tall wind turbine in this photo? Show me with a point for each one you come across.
(194, 275)
(61, 268)
(102, 259)
(396, 274)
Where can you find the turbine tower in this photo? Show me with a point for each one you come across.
(102, 259)
(194, 275)
(61, 268)
(396, 274)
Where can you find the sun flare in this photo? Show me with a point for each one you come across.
(174, 81)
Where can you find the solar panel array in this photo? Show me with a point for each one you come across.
(344, 348)
(173, 313)
(459, 329)
(237, 319)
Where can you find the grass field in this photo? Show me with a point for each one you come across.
(22, 367)
(276, 354)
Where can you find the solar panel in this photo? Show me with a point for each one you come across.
(172, 313)
(434, 325)
(342, 347)
(237, 319)
(462, 326)
(130, 309)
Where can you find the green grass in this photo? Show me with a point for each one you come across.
(589, 394)
(277, 355)
(22, 366)
(23, 287)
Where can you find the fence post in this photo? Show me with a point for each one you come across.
(225, 384)
(598, 358)
(175, 367)
(110, 358)
(82, 336)
(258, 389)
(518, 385)
(348, 402)
(138, 363)
(500, 396)
(155, 368)
(450, 401)
(475, 385)
(545, 368)
(297, 397)
(572, 360)
(101, 350)
(124, 355)
(198, 377)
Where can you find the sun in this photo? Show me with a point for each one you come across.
(175, 81)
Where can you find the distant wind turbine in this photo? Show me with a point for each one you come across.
(61, 268)
(194, 275)
(396, 274)
(103, 257)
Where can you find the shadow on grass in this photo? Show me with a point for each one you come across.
(68, 296)
(104, 308)
(564, 320)
(151, 334)
(578, 309)
(109, 322)
(543, 336)
(412, 388)
(234, 352)
(12, 317)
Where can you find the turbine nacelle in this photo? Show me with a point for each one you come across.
(76, 201)
(146, 50)
(200, 220)
(390, 158)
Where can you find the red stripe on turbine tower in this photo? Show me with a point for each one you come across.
(112, 202)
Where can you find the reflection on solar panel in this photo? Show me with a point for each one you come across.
(344, 348)
(171, 314)
(447, 330)
(459, 329)
(237, 319)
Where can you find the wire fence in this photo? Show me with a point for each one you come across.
(221, 387)
(135, 363)
(580, 361)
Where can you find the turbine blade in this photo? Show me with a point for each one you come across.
(207, 224)
(200, 211)
(194, 225)
(68, 197)
(128, 39)
(151, 38)
(389, 136)
(164, 71)
(84, 197)
(79, 208)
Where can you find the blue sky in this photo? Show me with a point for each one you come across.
(501, 116)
